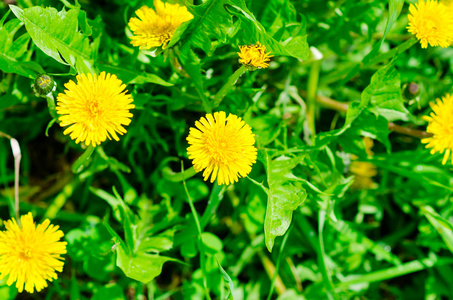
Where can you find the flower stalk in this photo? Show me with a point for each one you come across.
(228, 86)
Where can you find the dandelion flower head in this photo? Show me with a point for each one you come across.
(441, 127)
(154, 28)
(254, 56)
(30, 254)
(363, 171)
(222, 146)
(431, 22)
(95, 108)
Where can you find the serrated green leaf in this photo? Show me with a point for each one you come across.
(384, 94)
(252, 31)
(285, 195)
(140, 266)
(134, 255)
(11, 50)
(57, 35)
(213, 26)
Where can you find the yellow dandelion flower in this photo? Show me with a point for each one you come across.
(364, 171)
(222, 146)
(440, 125)
(431, 22)
(30, 254)
(254, 56)
(155, 28)
(95, 108)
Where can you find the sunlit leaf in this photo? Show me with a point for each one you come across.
(57, 35)
(285, 194)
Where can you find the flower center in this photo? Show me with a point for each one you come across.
(95, 109)
(429, 25)
(220, 149)
(25, 254)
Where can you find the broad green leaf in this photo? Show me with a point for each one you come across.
(140, 266)
(383, 96)
(56, 34)
(136, 262)
(213, 26)
(138, 254)
(285, 194)
(366, 124)
(252, 31)
(158, 243)
(12, 50)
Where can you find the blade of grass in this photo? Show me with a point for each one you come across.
(441, 224)
(322, 255)
(406, 268)
(227, 278)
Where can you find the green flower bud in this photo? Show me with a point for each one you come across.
(411, 90)
(44, 85)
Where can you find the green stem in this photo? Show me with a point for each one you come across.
(200, 240)
(227, 87)
(322, 255)
(169, 175)
(394, 52)
(311, 96)
(206, 104)
(78, 166)
(51, 105)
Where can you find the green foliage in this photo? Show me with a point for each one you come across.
(322, 215)
(285, 194)
(12, 50)
(57, 35)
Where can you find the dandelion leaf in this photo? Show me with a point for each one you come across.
(138, 253)
(285, 194)
(213, 25)
(292, 42)
(11, 51)
(56, 34)
(140, 266)
(384, 95)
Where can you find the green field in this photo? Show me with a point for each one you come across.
(226, 149)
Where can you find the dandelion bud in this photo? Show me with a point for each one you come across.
(44, 85)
